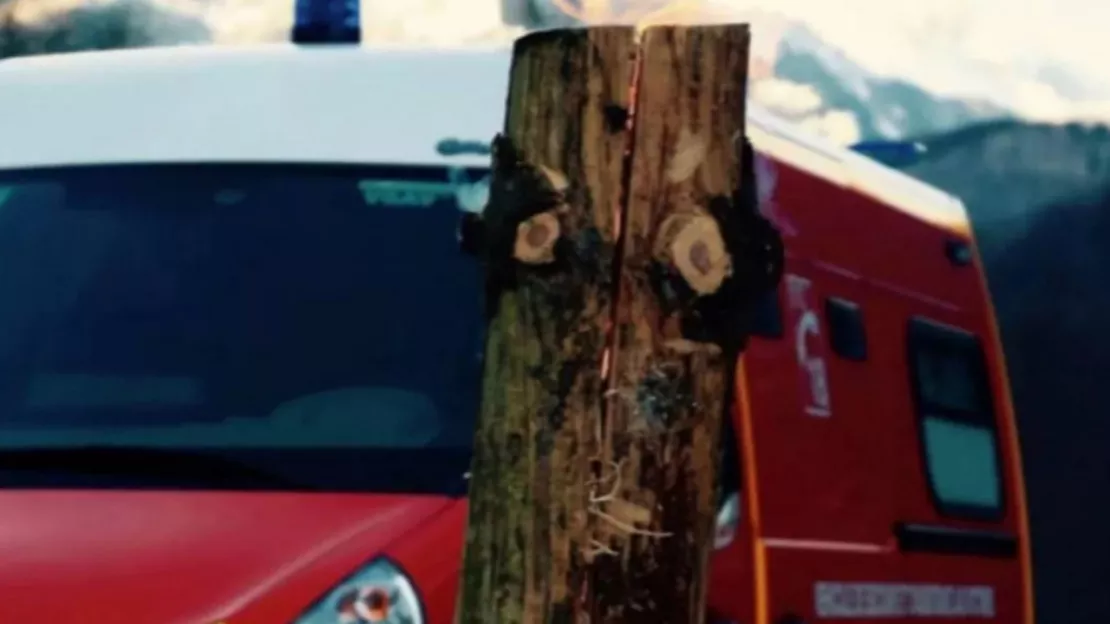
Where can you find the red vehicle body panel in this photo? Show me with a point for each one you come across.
(188, 557)
(831, 486)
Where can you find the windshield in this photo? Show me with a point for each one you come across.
(317, 322)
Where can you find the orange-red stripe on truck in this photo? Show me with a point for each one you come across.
(1013, 441)
(751, 485)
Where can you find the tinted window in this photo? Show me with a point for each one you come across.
(310, 319)
(948, 379)
(957, 423)
(730, 457)
(767, 316)
(961, 460)
(847, 333)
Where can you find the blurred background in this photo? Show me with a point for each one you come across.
(1010, 103)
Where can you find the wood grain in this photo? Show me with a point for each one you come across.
(542, 395)
(664, 415)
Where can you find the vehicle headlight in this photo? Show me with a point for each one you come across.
(379, 593)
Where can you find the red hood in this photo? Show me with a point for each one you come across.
(179, 557)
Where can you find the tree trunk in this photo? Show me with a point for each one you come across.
(695, 255)
(623, 254)
(542, 394)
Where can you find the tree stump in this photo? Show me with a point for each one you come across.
(624, 252)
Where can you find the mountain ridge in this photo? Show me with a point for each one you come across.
(882, 108)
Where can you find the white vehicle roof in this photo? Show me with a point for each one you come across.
(326, 104)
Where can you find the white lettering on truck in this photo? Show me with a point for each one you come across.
(809, 346)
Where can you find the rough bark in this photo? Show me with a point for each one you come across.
(686, 278)
(623, 253)
(542, 394)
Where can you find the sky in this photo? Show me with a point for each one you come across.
(1046, 59)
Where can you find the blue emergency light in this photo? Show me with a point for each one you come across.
(326, 21)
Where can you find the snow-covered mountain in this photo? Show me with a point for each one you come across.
(795, 73)
(816, 85)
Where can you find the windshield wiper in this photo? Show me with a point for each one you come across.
(131, 467)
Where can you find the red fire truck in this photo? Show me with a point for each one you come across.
(241, 352)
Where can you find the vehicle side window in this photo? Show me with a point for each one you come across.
(956, 420)
(847, 333)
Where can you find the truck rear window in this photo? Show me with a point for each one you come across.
(957, 420)
(290, 315)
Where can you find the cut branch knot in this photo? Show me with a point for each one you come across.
(522, 221)
(520, 192)
(691, 242)
(536, 237)
(714, 259)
